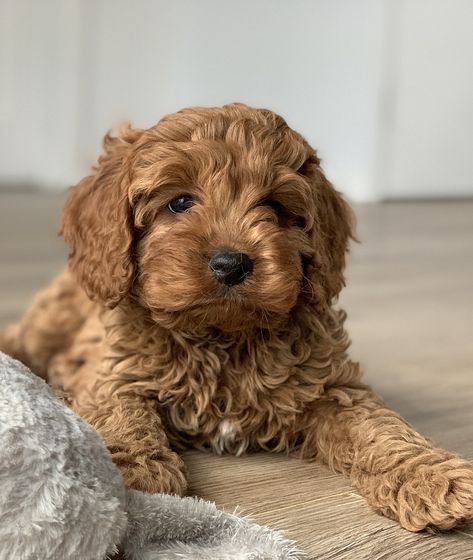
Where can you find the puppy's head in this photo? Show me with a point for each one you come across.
(218, 217)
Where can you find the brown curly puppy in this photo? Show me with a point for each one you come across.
(207, 252)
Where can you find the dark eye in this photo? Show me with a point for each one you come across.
(181, 204)
(274, 205)
(285, 217)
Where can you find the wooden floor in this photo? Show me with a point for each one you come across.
(410, 307)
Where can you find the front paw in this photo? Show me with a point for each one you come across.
(165, 474)
(438, 496)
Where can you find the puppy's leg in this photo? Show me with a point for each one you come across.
(49, 325)
(134, 434)
(398, 471)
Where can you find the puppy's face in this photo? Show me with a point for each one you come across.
(222, 230)
(215, 217)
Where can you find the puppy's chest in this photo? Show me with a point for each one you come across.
(230, 399)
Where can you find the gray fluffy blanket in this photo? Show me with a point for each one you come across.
(61, 497)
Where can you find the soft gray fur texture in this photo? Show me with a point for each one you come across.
(62, 498)
(60, 495)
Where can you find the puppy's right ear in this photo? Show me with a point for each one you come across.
(97, 224)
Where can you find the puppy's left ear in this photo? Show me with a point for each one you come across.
(332, 231)
(97, 224)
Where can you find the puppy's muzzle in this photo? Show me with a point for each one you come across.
(229, 267)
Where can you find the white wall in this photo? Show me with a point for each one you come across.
(316, 62)
(348, 74)
(432, 132)
(39, 54)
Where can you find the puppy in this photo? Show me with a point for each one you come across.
(197, 310)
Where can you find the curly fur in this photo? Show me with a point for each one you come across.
(167, 358)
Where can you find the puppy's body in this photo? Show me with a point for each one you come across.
(197, 310)
(232, 392)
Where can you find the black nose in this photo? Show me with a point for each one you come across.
(230, 268)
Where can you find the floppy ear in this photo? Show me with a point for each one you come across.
(97, 224)
(330, 235)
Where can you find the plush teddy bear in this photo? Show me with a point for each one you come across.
(61, 496)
